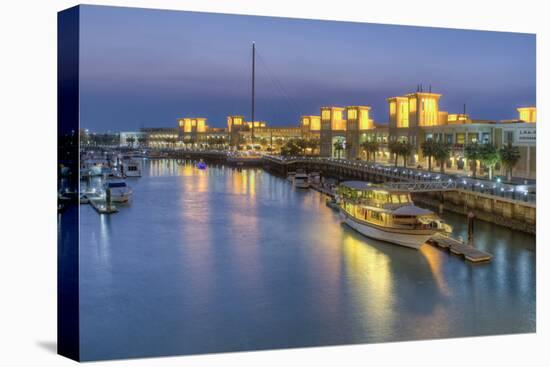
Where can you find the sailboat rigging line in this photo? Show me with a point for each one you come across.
(278, 85)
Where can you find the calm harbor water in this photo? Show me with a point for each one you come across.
(224, 259)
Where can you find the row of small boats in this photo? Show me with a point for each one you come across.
(91, 166)
(112, 169)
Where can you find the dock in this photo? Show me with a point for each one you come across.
(460, 248)
(321, 189)
(101, 207)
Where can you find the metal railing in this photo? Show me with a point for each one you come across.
(521, 193)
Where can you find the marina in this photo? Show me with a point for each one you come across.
(261, 234)
(218, 194)
(440, 237)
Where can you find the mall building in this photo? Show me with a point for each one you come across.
(412, 118)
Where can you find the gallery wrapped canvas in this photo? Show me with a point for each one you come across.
(235, 183)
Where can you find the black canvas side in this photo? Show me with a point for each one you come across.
(68, 341)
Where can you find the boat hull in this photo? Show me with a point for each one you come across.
(120, 196)
(132, 174)
(410, 240)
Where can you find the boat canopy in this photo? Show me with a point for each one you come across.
(411, 210)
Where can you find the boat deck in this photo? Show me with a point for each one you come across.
(457, 247)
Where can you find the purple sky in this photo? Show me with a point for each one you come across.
(142, 67)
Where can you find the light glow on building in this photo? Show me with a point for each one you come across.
(527, 114)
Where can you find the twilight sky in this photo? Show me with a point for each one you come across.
(146, 68)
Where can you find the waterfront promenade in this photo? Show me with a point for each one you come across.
(505, 204)
(521, 193)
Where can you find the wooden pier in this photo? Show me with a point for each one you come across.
(457, 247)
(102, 208)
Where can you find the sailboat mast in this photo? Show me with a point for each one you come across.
(253, 86)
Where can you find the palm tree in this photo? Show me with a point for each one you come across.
(130, 141)
(373, 148)
(263, 142)
(441, 153)
(406, 150)
(472, 152)
(142, 140)
(428, 150)
(370, 147)
(510, 156)
(338, 147)
(314, 145)
(490, 157)
(279, 142)
(302, 144)
(395, 149)
(291, 148)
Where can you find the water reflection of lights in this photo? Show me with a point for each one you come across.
(434, 258)
(104, 248)
(368, 271)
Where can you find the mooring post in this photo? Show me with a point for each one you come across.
(471, 228)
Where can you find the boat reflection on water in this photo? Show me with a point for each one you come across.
(201, 164)
(391, 286)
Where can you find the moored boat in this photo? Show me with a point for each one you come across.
(131, 168)
(120, 191)
(290, 176)
(387, 215)
(301, 180)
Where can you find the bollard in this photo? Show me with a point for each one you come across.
(471, 228)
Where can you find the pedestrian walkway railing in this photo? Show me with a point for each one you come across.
(412, 176)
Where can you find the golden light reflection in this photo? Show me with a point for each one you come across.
(369, 272)
(246, 229)
(434, 258)
(198, 259)
(186, 170)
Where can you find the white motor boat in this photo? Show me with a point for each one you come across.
(301, 180)
(387, 215)
(120, 191)
(131, 168)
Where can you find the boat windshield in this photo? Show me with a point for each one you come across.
(116, 184)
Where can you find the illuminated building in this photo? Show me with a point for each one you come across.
(348, 132)
(234, 122)
(527, 114)
(340, 132)
(131, 139)
(310, 126)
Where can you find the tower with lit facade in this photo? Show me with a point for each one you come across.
(357, 121)
(333, 128)
(410, 113)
